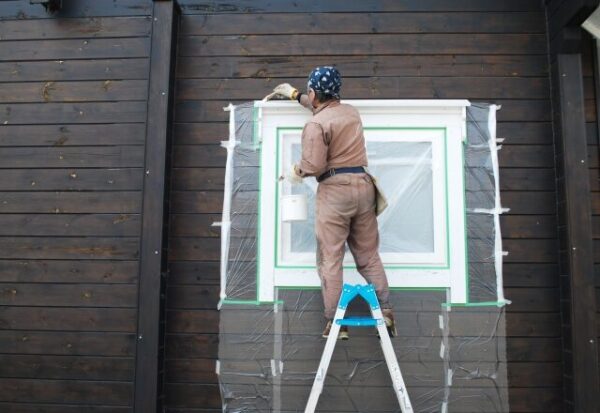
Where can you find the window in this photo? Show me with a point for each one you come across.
(415, 150)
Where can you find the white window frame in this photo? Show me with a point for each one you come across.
(435, 136)
(382, 119)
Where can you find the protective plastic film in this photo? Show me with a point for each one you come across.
(452, 354)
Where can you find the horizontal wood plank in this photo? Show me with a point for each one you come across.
(76, 28)
(72, 135)
(121, 320)
(74, 49)
(74, 91)
(84, 112)
(69, 271)
(68, 295)
(358, 66)
(354, 44)
(126, 248)
(73, 179)
(65, 391)
(16, 9)
(71, 70)
(290, 6)
(70, 202)
(66, 367)
(67, 343)
(117, 225)
(406, 87)
(23, 407)
(73, 157)
(367, 23)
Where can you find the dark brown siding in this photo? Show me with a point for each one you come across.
(72, 112)
(487, 51)
(576, 154)
(589, 66)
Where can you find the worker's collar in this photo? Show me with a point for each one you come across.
(332, 103)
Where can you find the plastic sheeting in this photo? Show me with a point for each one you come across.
(453, 357)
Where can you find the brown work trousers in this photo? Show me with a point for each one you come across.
(345, 211)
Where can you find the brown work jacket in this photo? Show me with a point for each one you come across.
(333, 138)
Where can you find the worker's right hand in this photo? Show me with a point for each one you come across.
(293, 176)
(286, 90)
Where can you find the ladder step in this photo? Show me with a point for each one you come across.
(358, 321)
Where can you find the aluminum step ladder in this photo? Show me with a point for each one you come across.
(349, 292)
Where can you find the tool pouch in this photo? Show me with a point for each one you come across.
(380, 198)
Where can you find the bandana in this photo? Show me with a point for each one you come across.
(327, 80)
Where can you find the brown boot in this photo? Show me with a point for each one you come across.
(343, 331)
(388, 317)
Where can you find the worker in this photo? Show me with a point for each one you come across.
(334, 152)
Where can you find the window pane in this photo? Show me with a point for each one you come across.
(303, 233)
(404, 171)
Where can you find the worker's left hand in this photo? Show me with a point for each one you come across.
(292, 176)
(285, 90)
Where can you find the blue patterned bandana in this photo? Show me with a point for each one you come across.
(327, 80)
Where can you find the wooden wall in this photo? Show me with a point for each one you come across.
(73, 112)
(486, 51)
(591, 118)
(73, 98)
(576, 154)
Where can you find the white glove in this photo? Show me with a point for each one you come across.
(286, 90)
(293, 177)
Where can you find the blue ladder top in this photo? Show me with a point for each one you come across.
(349, 293)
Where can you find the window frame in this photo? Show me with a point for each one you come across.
(449, 115)
(438, 258)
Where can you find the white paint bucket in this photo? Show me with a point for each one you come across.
(294, 208)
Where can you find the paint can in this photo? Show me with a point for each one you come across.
(294, 208)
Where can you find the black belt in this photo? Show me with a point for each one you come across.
(345, 170)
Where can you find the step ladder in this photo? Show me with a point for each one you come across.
(349, 292)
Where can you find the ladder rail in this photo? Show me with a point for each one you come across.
(319, 382)
(392, 364)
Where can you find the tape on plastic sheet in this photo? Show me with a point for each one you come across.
(229, 145)
(449, 375)
(442, 350)
(218, 367)
(490, 211)
(499, 253)
(226, 215)
(276, 367)
(444, 408)
(441, 321)
(273, 368)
